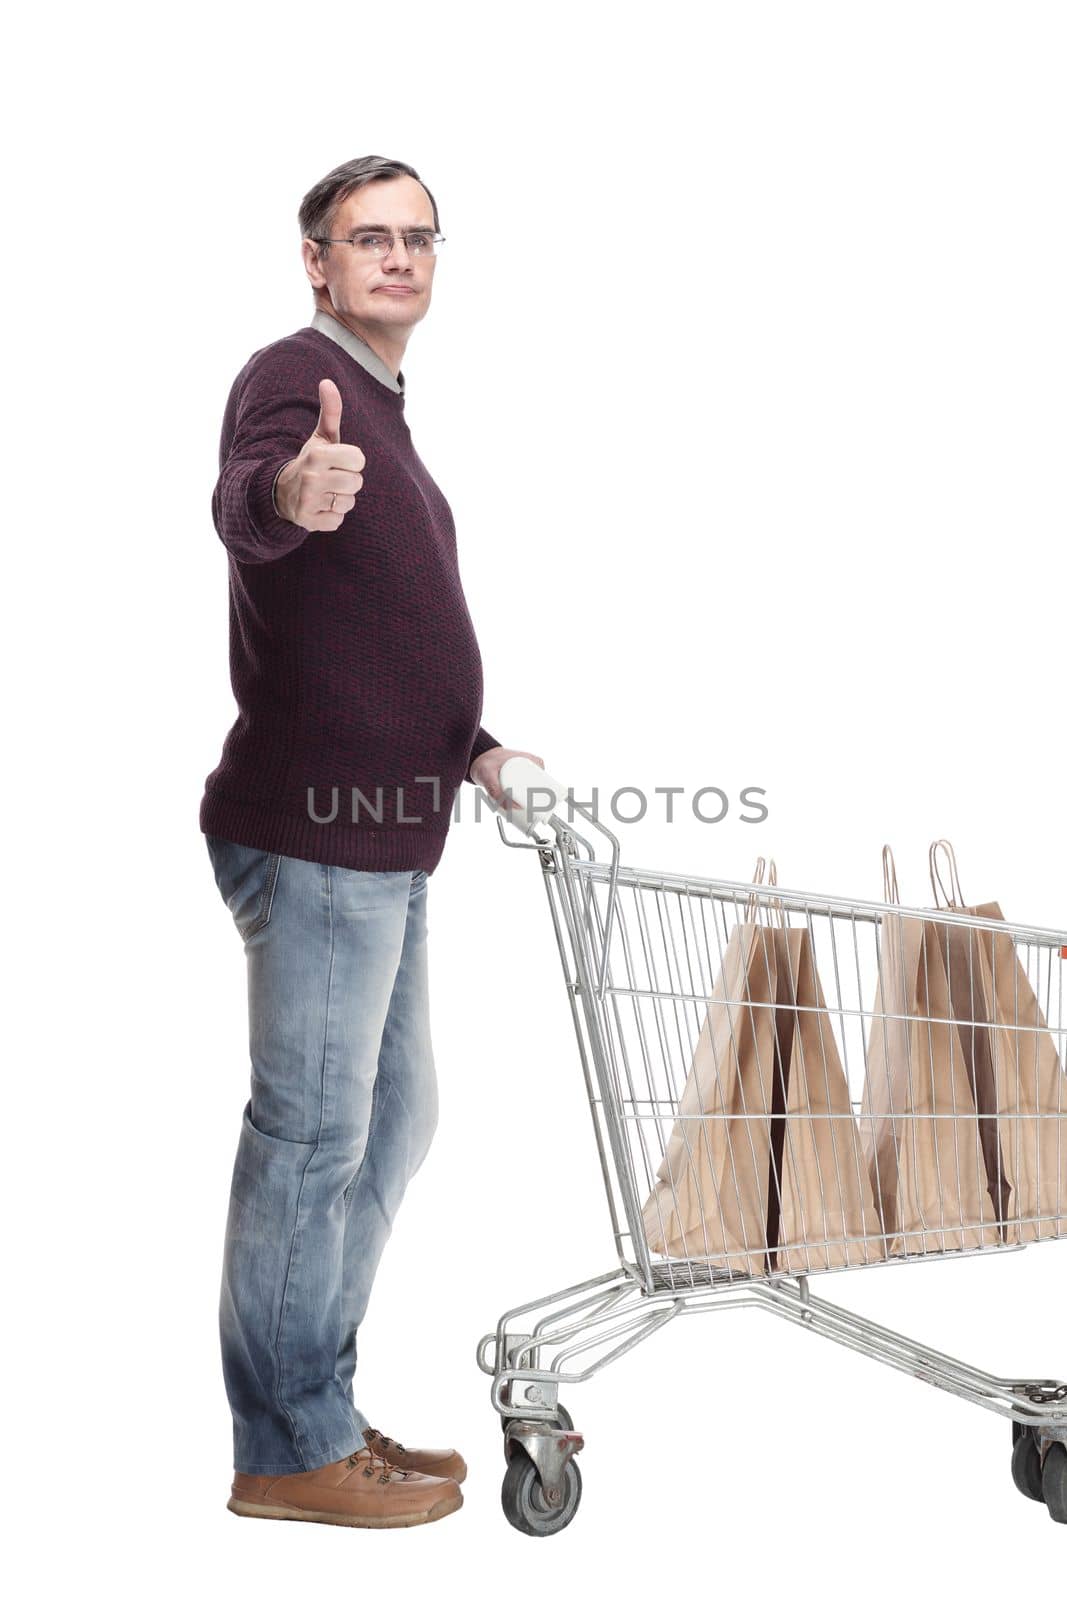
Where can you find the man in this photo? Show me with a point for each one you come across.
(358, 681)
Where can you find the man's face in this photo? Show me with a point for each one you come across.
(393, 292)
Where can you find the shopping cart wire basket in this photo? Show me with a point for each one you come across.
(784, 1085)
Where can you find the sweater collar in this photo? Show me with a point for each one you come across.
(358, 349)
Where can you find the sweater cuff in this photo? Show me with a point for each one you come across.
(277, 534)
(482, 741)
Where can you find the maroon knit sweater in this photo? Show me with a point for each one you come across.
(353, 658)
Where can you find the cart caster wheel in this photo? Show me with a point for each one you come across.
(563, 1420)
(1054, 1482)
(1026, 1466)
(524, 1503)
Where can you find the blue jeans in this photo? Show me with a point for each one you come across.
(342, 1111)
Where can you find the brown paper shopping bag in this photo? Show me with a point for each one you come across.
(827, 1216)
(710, 1196)
(919, 1130)
(1019, 1085)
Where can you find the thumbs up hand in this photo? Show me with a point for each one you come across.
(319, 486)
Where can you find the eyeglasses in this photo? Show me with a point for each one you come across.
(376, 245)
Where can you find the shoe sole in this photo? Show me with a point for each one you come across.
(343, 1519)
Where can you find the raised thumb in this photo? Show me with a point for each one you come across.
(328, 426)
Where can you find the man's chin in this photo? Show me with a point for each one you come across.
(395, 309)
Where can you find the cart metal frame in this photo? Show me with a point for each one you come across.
(563, 1338)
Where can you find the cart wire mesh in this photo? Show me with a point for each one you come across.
(784, 1084)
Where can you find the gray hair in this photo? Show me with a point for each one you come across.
(319, 206)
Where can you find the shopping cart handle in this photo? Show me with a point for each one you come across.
(538, 794)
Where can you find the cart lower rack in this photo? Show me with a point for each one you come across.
(784, 1085)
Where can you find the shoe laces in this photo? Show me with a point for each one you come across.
(384, 1439)
(375, 1461)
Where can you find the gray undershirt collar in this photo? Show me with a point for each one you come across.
(358, 349)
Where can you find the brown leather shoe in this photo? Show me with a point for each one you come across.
(361, 1491)
(439, 1463)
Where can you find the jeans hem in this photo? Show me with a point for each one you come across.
(318, 1458)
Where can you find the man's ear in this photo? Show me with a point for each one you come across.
(312, 265)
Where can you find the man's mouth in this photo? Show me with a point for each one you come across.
(392, 288)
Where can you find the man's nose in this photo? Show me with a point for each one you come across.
(398, 255)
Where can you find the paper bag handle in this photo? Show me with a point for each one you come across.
(954, 894)
(890, 887)
(752, 910)
(757, 877)
(772, 878)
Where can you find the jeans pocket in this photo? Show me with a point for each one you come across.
(246, 879)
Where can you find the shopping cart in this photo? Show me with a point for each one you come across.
(642, 952)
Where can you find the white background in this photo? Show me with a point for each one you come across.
(744, 378)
